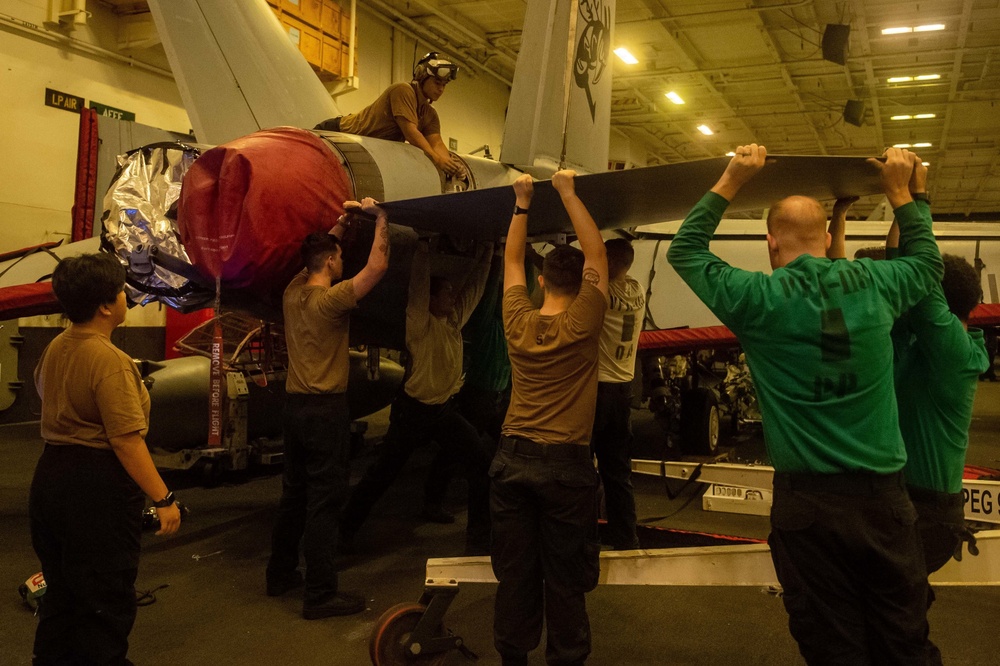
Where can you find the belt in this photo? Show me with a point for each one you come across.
(526, 447)
(846, 483)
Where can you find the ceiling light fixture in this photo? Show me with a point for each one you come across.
(923, 144)
(903, 30)
(626, 57)
(901, 145)
(927, 77)
(926, 163)
(901, 118)
(898, 79)
(706, 130)
(925, 116)
(731, 154)
(674, 97)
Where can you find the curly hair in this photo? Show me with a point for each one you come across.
(962, 288)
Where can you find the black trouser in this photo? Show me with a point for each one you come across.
(86, 524)
(847, 553)
(543, 502)
(412, 424)
(485, 411)
(313, 490)
(941, 523)
(611, 442)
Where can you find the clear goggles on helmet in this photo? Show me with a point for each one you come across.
(442, 69)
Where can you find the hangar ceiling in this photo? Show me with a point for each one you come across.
(753, 71)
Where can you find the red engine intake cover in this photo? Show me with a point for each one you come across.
(245, 206)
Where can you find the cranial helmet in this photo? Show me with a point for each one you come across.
(433, 65)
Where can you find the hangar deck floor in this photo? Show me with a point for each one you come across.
(214, 611)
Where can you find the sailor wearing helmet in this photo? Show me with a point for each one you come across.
(403, 112)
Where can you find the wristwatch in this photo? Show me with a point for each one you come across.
(921, 196)
(166, 501)
(520, 211)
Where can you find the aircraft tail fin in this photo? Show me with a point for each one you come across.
(560, 104)
(237, 70)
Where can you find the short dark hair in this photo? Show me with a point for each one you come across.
(86, 282)
(962, 288)
(316, 247)
(563, 270)
(621, 254)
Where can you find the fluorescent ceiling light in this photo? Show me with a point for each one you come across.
(626, 57)
(923, 144)
(902, 30)
(901, 145)
(926, 163)
(706, 130)
(731, 154)
(925, 116)
(674, 97)
(899, 79)
(901, 118)
(927, 77)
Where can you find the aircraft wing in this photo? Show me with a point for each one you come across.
(620, 199)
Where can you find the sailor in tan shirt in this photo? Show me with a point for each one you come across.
(612, 438)
(317, 306)
(425, 409)
(87, 493)
(403, 112)
(543, 498)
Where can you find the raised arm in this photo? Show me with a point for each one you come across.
(418, 301)
(517, 234)
(378, 257)
(595, 258)
(905, 281)
(472, 289)
(745, 164)
(720, 286)
(837, 229)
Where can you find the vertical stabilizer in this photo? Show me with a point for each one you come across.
(236, 69)
(560, 104)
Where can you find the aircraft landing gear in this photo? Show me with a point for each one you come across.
(414, 633)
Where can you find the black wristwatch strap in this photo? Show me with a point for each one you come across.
(921, 196)
(165, 502)
(520, 211)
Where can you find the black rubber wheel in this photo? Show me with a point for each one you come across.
(391, 630)
(700, 422)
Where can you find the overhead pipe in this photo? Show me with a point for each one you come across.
(80, 45)
(412, 28)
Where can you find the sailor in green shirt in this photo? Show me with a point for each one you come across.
(938, 360)
(817, 339)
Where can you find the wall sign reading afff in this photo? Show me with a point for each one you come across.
(64, 101)
(111, 112)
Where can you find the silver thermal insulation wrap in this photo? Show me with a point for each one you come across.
(141, 228)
